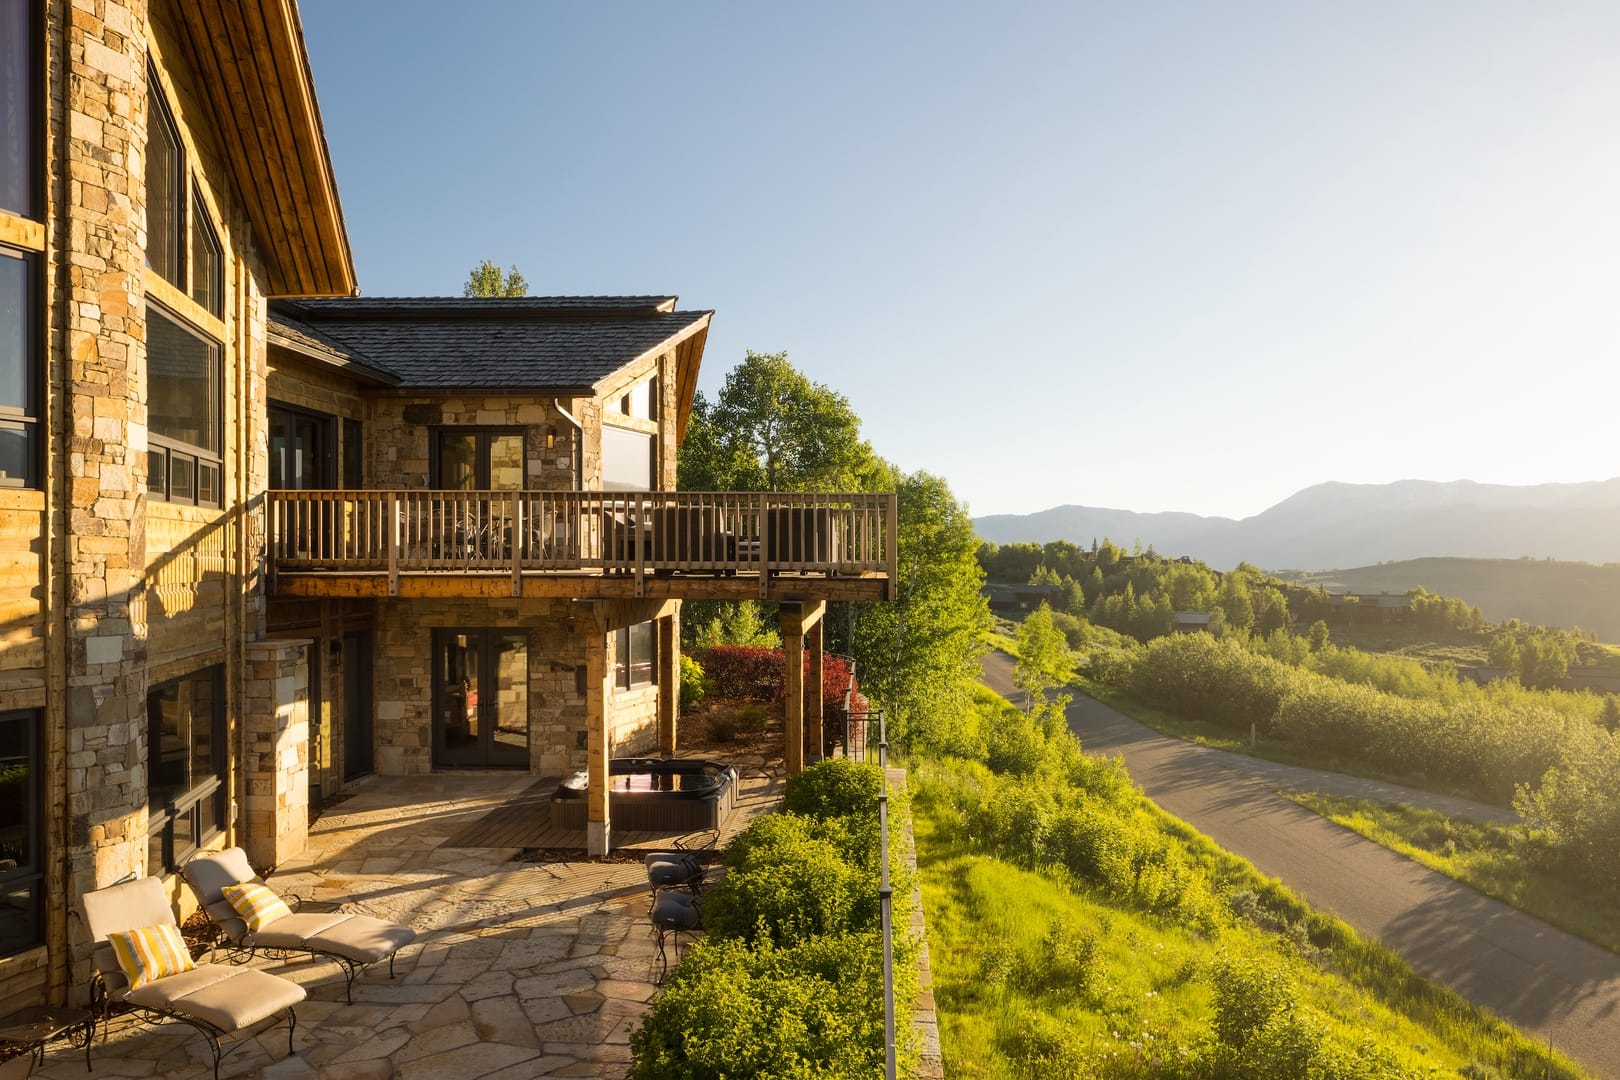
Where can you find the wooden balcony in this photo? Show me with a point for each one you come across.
(585, 545)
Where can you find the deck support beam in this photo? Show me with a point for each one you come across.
(795, 620)
(669, 681)
(814, 705)
(598, 673)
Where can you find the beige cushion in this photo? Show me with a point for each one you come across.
(209, 874)
(150, 953)
(363, 939)
(229, 998)
(129, 906)
(295, 930)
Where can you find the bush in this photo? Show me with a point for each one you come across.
(834, 788)
(1574, 816)
(738, 671)
(694, 684)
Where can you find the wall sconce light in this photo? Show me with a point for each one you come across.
(551, 440)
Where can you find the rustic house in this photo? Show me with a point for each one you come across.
(254, 542)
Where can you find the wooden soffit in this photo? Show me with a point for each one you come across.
(688, 358)
(253, 74)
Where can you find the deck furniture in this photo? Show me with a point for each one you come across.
(27, 1031)
(217, 1000)
(354, 941)
(674, 870)
(674, 914)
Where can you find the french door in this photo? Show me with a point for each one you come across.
(481, 698)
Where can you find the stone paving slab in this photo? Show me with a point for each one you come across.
(518, 969)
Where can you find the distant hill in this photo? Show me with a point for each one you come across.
(1338, 524)
(1563, 594)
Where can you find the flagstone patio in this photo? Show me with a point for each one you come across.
(520, 969)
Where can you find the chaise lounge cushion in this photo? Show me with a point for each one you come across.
(230, 998)
(358, 937)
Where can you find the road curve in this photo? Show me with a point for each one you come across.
(1557, 986)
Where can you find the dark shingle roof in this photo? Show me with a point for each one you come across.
(529, 343)
(300, 337)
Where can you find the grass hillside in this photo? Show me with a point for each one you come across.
(1565, 594)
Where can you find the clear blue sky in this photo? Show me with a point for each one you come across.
(1153, 256)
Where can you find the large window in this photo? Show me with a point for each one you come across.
(184, 376)
(627, 460)
(187, 798)
(302, 450)
(165, 189)
(207, 261)
(19, 369)
(22, 860)
(19, 113)
(481, 697)
(635, 656)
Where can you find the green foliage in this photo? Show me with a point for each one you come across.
(836, 787)
(772, 429)
(487, 279)
(693, 683)
(788, 979)
(1574, 814)
(1318, 635)
(1043, 665)
(919, 655)
(707, 623)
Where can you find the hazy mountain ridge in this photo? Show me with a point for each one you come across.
(1337, 524)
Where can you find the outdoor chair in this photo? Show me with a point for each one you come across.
(354, 941)
(674, 870)
(674, 914)
(142, 965)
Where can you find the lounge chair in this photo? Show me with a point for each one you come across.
(674, 870)
(354, 941)
(215, 999)
(674, 914)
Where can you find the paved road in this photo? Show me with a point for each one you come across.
(1554, 985)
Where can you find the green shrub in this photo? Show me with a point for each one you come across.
(834, 788)
(1574, 816)
(753, 719)
(694, 684)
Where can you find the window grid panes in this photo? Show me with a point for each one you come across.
(165, 189)
(186, 790)
(207, 261)
(184, 373)
(22, 879)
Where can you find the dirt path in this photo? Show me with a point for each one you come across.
(1557, 986)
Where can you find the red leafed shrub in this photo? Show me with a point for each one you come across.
(740, 671)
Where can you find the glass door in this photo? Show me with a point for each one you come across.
(481, 698)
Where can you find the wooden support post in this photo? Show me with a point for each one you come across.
(598, 673)
(669, 681)
(789, 616)
(813, 638)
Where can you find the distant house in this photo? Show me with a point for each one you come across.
(1379, 607)
(1012, 599)
(1191, 622)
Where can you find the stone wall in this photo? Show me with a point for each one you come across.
(276, 764)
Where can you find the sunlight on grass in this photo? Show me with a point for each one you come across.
(1489, 857)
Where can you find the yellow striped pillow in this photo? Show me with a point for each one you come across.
(258, 904)
(152, 952)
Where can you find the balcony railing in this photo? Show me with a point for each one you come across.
(519, 533)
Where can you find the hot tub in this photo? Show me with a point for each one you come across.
(668, 795)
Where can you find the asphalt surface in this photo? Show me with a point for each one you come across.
(1559, 988)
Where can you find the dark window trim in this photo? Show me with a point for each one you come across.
(216, 288)
(159, 113)
(163, 817)
(33, 875)
(624, 667)
(488, 638)
(351, 456)
(38, 89)
(484, 434)
(28, 418)
(159, 482)
(329, 465)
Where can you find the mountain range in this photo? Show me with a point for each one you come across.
(1336, 525)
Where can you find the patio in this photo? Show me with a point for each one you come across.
(520, 969)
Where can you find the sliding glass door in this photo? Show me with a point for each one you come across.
(481, 698)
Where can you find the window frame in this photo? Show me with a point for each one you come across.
(625, 657)
(26, 418)
(201, 225)
(652, 457)
(327, 464)
(187, 808)
(33, 875)
(159, 116)
(34, 112)
(485, 434)
(160, 482)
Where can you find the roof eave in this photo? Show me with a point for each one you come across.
(254, 76)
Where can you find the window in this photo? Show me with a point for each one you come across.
(481, 698)
(302, 454)
(207, 261)
(165, 189)
(187, 799)
(638, 402)
(184, 376)
(627, 460)
(635, 656)
(19, 370)
(22, 859)
(477, 459)
(19, 113)
(354, 473)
